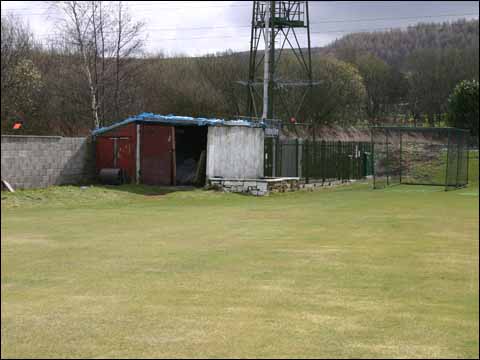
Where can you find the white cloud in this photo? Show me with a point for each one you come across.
(173, 26)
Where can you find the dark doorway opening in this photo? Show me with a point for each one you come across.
(190, 155)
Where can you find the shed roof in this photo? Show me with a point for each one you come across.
(177, 120)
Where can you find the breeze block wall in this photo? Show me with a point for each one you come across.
(42, 161)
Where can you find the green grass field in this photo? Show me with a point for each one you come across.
(346, 272)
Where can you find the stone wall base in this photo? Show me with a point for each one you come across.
(263, 187)
(257, 187)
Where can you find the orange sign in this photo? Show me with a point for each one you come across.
(17, 126)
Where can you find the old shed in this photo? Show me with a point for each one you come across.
(177, 150)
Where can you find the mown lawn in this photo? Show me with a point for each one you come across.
(349, 272)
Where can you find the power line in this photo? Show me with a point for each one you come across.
(312, 33)
(27, 11)
(391, 18)
(365, 30)
(314, 23)
(325, 22)
(312, 4)
(321, 21)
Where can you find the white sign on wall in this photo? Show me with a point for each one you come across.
(271, 132)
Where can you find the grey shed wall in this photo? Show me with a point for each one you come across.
(235, 152)
(41, 161)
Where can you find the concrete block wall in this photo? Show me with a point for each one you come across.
(42, 161)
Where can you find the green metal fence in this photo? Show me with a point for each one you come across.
(318, 161)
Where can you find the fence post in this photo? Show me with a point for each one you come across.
(296, 157)
(388, 160)
(448, 160)
(401, 149)
(372, 149)
(351, 161)
(323, 149)
(458, 157)
(307, 161)
(468, 161)
(322, 160)
(348, 149)
(337, 159)
(335, 154)
(354, 162)
(277, 157)
(351, 167)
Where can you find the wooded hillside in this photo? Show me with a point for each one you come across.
(76, 83)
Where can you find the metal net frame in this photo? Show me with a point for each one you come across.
(419, 156)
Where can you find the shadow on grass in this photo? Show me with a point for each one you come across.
(147, 190)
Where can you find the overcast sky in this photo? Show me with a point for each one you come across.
(199, 27)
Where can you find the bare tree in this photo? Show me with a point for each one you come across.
(77, 27)
(107, 39)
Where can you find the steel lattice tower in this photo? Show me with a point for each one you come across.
(286, 21)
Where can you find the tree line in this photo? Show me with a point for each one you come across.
(96, 71)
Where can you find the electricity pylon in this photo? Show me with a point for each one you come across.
(279, 24)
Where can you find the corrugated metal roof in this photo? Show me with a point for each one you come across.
(177, 120)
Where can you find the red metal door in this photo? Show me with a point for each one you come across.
(125, 157)
(104, 152)
(156, 154)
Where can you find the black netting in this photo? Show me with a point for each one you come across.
(457, 168)
(420, 156)
(386, 157)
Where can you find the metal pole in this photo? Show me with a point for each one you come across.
(388, 160)
(307, 161)
(458, 158)
(310, 76)
(401, 148)
(373, 156)
(323, 156)
(448, 155)
(468, 160)
(266, 70)
(274, 156)
(309, 44)
(271, 59)
(251, 75)
(296, 157)
(278, 171)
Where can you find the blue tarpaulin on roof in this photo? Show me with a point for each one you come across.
(177, 120)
